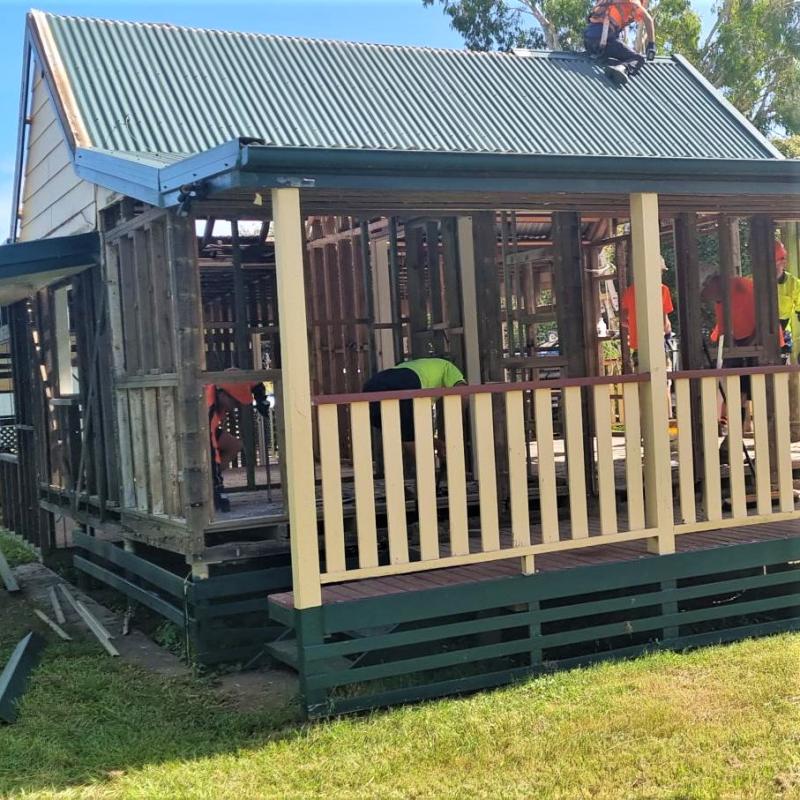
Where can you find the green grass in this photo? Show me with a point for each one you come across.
(722, 722)
(16, 551)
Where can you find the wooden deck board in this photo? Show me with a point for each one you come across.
(548, 562)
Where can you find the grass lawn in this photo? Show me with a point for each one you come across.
(722, 722)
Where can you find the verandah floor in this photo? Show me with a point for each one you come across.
(548, 562)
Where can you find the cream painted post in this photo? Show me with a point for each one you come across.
(299, 451)
(645, 237)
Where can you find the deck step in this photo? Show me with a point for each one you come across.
(285, 651)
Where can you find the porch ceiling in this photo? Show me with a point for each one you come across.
(382, 203)
(26, 267)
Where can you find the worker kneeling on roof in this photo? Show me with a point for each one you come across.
(607, 20)
(222, 400)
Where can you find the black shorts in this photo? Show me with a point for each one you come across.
(739, 363)
(390, 380)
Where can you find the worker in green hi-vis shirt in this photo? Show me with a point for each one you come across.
(420, 373)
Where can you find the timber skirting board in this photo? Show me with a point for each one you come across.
(396, 648)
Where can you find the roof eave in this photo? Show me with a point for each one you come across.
(253, 166)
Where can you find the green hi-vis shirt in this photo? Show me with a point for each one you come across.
(788, 296)
(434, 373)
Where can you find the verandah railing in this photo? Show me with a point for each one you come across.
(515, 509)
(729, 475)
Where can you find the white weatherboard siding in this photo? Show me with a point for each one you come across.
(55, 201)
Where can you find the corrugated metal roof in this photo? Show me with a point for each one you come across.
(158, 89)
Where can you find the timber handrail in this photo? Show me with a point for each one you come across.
(725, 371)
(480, 388)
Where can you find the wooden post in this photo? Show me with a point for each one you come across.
(687, 261)
(415, 288)
(394, 291)
(242, 357)
(645, 239)
(299, 453)
(190, 362)
(567, 275)
(762, 259)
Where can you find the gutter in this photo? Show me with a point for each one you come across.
(247, 164)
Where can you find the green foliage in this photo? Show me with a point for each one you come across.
(752, 52)
(15, 551)
(754, 56)
(790, 146)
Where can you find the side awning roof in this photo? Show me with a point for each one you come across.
(26, 267)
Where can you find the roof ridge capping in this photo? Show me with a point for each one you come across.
(49, 15)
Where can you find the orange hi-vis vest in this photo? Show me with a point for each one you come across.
(619, 13)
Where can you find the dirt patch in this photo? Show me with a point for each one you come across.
(258, 690)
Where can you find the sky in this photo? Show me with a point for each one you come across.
(381, 21)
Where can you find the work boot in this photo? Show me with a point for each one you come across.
(617, 74)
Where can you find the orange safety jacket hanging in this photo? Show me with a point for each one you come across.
(215, 420)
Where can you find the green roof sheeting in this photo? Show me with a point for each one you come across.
(156, 90)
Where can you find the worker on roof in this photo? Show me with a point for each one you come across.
(788, 297)
(419, 373)
(222, 400)
(607, 20)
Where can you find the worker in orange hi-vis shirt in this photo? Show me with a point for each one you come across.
(627, 306)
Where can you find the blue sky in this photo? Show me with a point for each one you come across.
(384, 21)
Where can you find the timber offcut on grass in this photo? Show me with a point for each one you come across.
(7, 575)
(14, 678)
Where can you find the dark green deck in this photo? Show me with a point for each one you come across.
(403, 645)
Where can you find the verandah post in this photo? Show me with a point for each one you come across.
(299, 451)
(645, 238)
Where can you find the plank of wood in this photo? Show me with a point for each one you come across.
(735, 447)
(9, 581)
(456, 475)
(56, 604)
(783, 447)
(634, 476)
(14, 678)
(761, 431)
(364, 486)
(57, 629)
(394, 482)
(331, 474)
(712, 491)
(576, 474)
(91, 622)
(487, 471)
(517, 470)
(605, 458)
(426, 480)
(683, 414)
(548, 498)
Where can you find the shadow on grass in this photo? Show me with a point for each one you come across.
(86, 717)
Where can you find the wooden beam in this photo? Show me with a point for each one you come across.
(687, 261)
(568, 279)
(14, 678)
(762, 260)
(650, 327)
(299, 453)
(190, 359)
(7, 576)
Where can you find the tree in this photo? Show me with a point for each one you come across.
(752, 52)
